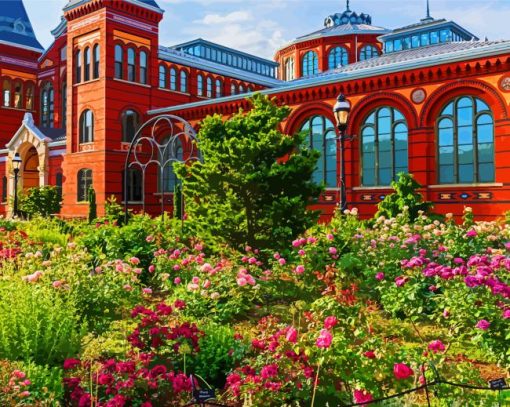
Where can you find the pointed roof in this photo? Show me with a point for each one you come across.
(15, 26)
(147, 3)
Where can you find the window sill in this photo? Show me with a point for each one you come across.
(474, 185)
(87, 82)
(17, 109)
(132, 202)
(132, 83)
(175, 91)
(377, 187)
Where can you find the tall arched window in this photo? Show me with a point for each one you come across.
(58, 184)
(209, 87)
(383, 146)
(18, 94)
(131, 65)
(4, 188)
(97, 58)
(200, 85)
(63, 93)
(184, 81)
(143, 67)
(134, 185)
(47, 105)
(84, 182)
(218, 88)
(130, 123)
(87, 127)
(6, 93)
(174, 149)
(173, 79)
(162, 76)
(233, 89)
(119, 62)
(310, 64)
(77, 64)
(368, 52)
(289, 69)
(338, 57)
(86, 64)
(321, 136)
(29, 97)
(241, 89)
(465, 132)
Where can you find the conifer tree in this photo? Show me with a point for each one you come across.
(254, 184)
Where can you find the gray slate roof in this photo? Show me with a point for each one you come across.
(15, 26)
(53, 134)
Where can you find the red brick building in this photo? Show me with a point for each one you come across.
(429, 99)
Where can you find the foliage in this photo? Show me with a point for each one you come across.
(114, 212)
(92, 205)
(178, 200)
(254, 184)
(405, 196)
(44, 201)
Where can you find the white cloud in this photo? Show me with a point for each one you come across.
(230, 18)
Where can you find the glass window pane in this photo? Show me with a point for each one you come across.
(446, 174)
(486, 172)
(466, 174)
(485, 133)
(465, 154)
(485, 153)
(385, 176)
(446, 155)
(465, 135)
(481, 106)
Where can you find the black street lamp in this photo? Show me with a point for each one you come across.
(342, 109)
(16, 165)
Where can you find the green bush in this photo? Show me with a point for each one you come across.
(36, 324)
(43, 201)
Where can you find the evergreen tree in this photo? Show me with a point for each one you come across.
(254, 184)
(92, 205)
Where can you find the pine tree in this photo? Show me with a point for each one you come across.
(92, 205)
(254, 184)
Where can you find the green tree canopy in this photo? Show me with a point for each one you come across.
(254, 184)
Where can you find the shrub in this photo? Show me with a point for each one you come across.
(43, 201)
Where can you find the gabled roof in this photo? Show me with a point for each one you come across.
(433, 55)
(15, 26)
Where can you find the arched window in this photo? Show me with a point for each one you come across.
(63, 92)
(6, 93)
(4, 188)
(383, 146)
(143, 67)
(310, 64)
(200, 85)
(173, 79)
(18, 95)
(338, 57)
(233, 89)
(184, 81)
(174, 150)
(321, 136)
(119, 62)
(465, 132)
(250, 89)
(134, 185)
(58, 184)
(77, 63)
(84, 184)
(368, 52)
(86, 63)
(97, 57)
(289, 69)
(241, 89)
(209, 87)
(47, 105)
(131, 64)
(87, 127)
(29, 97)
(218, 88)
(162, 76)
(130, 123)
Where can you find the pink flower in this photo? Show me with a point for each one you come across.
(206, 284)
(330, 322)
(362, 396)
(71, 363)
(301, 252)
(333, 250)
(446, 313)
(134, 260)
(199, 247)
(506, 314)
(282, 261)
(471, 233)
(24, 394)
(149, 239)
(195, 280)
(152, 268)
(57, 283)
(329, 236)
(402, 371)
(241, 281)
(299, 269)
(436, 346)
(292, 334)
(369, 354)
(325, 338)
(379, 276)
(127, 287)
(147, 291)
(206, 268)
(177, 280)
(400, 281)
(276, 256)
(269, 371)
(483, 324)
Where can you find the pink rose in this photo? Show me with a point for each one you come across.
(333, 250)
(483, 324)
(195, 280)
(147, 291)
(330, 322)
(325, 338)
(152, 268)
(402, 371)
(506, 314)
(379, 276)
(362, 396)
(471, 233)
(299, 269)
(292, 334)
(177, 280)
(57, 283)
(369, 354)
(71, 363)
(241, 281)
(400, 281)
(436, 346)
(282, 261)
(134, 260)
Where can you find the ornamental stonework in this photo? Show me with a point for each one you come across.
(418, 96)
(505, 84)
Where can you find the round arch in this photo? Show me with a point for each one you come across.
(298, 116)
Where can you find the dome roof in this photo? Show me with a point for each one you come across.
(15, 26)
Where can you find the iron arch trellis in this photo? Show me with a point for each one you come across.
(178, 132)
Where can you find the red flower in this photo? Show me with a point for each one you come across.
(402, 371)
(330, 322)
(369, 354)
(71, 364)
(362, 396)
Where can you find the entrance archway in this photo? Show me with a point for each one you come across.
(30, 172)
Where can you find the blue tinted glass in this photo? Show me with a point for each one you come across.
(465, 102)
(401, 159)
(464, 116)
(415, 41)
(446, 155)
(465, 135)
(434, 37)
(485, 133)
(485, 153)
(446, 174)
(465, 154)
(397, 45)
(389, 46)
(406, 43)
(425, 39)
(448, 110)
(486, 172)
(466, 174)
(368, 176)
(370, 119)
(385, 176)
(481, 106)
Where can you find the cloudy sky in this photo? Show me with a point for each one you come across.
(261, 26)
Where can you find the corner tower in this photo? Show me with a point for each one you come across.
(112, 51)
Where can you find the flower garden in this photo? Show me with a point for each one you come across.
(350, 312)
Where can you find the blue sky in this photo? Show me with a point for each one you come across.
(261, 26)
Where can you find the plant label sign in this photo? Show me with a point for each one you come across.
(203, 395)
(497, 384)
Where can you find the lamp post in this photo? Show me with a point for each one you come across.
(16, 164)
(342, 109)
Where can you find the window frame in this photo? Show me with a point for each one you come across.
(343, 57)
(136, 124)
(310, 64)
(86, 133)
(84, 182)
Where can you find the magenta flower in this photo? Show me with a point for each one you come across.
(379, 276)
(400, 281)
(71, 363)
(324, 340)
(282, 261)
(506, 314)
(436, 346)
(483, 324)
(362, 396)
(471, 233)
(299, 269)
(402, 371)
(333, 250)
(369, 354)
(292, 334)
(330, 322)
